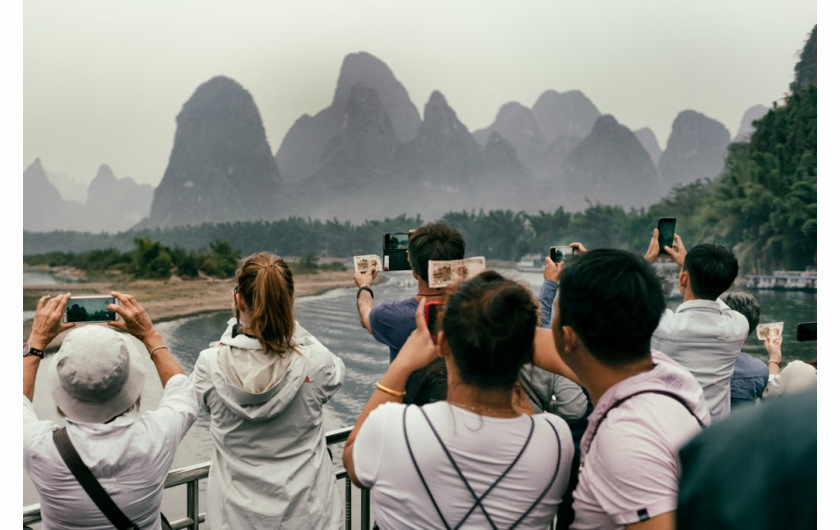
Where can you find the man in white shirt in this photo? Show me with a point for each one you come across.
(97, 378)
(704, 335)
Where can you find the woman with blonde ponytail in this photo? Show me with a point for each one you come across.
(264, 385)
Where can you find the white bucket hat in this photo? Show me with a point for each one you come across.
(98, 374)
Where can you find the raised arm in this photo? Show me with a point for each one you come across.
(136, 321)
(546, 356)
(418, 351)
(548, 289)
(364, 296)
(45, 327)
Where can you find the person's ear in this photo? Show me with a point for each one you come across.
(683, 280)
(571, 340)
(443, 345)
(240, 303)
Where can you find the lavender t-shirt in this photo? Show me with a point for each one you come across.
(631, 467)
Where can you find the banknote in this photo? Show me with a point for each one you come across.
(363, 263)
(768, 330)
(442, 273)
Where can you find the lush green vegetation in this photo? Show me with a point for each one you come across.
(764, 206)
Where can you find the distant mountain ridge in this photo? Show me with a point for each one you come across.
(112, 204)
(369, 154)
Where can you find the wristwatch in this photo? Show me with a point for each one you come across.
(31, 350)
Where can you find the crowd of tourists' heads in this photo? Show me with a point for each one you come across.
(489, 325)
(746, 304)
(434, 241)
(266, 287)
(711, 270)
(613, 300)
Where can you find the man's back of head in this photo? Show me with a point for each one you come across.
(711, 270)
(433, 241)
(613, 300)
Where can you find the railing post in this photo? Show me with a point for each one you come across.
(348, 504)
(192, 503)
(365, 509)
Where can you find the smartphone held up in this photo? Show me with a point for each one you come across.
(560, 253)
(85, 309)
(666, 227)
(395, 251)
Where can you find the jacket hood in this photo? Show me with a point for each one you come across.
(666, 376)
(273, 400)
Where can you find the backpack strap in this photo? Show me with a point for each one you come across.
(553, 478)
(92, 486)
(625, 398)
(419, 473)
(660, 392)
(478, 499)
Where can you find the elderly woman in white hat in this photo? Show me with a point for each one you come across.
(97, 378)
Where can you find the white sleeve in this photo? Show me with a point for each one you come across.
(369, 446)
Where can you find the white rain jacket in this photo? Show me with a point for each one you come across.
(270, 466)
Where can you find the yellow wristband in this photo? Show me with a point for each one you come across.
(387, 390)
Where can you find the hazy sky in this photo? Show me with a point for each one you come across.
(103, 80)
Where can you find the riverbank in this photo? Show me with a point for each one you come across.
(175, 298)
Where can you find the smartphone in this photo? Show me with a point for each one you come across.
(82, 309)
(395, 252)
(806, 331)
(666, 226)
(433, 312)
(561, 252)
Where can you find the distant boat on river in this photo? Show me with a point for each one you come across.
(785, 280)
(531, 263)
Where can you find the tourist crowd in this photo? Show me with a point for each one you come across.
(591, 405)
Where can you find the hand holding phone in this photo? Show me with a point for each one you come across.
(561, 253)
(666, 227)
(433, 313)
(85, 309)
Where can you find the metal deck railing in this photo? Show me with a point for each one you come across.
(191, 475)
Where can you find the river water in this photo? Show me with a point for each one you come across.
(333, 319)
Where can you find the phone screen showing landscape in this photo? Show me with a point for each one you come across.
(90, 309)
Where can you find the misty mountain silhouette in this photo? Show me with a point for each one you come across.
(369, 155)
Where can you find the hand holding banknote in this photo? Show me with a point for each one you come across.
(769, 330)
(362, 263)
(443, 273)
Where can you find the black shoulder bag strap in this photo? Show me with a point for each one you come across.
(92, 486)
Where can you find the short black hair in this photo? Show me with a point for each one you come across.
(433, 241)
(613, 300)
(746, 304)
(711, 270)
(490, 322)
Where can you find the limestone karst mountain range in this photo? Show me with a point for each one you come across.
(371, 154)
(113, 204)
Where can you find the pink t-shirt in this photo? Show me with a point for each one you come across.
(631, 467)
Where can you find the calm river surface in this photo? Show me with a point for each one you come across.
(333, 319)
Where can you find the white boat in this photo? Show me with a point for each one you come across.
(531, 263)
